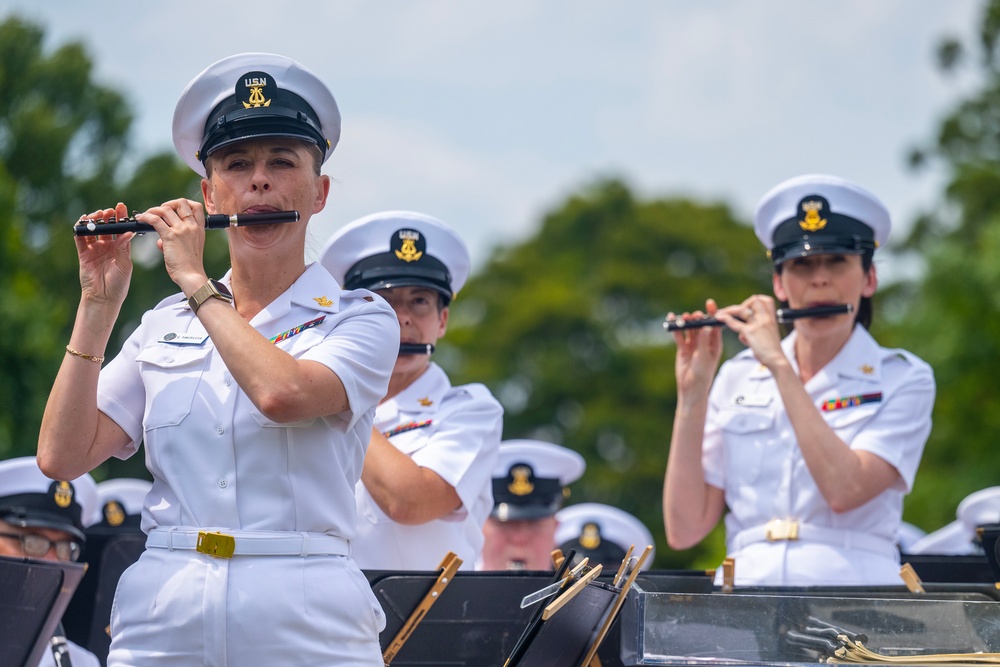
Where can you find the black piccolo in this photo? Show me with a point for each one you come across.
(785, 315)
(416, 348)
(213, 221)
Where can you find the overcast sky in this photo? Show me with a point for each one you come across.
(487, 114)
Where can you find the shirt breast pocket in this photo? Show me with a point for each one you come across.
(171, 374)
(746, 434)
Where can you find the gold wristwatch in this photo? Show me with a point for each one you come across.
(213, 288)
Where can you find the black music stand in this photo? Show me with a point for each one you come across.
(35, 594)
(563, 640)
(989, 537)
(476, 622)
(959, 569)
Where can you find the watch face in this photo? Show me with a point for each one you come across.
(221, 288)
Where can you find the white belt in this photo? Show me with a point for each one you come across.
(783, 530)
(248, 543)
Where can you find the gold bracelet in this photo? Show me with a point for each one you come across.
(88, 357)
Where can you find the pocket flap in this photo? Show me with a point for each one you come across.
(164, 355)
(745, 421)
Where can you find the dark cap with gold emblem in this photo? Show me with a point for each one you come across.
(29, 499)
(601, 533)
(820, 214)
(121, 501)
(252, 96)
(397, 249)
(531, 477)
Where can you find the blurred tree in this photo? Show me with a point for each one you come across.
(949, 316)
(566, 329)
(63, 139)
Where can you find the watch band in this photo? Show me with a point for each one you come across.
(211, 289)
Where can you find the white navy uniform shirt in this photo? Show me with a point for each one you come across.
(455, 432)
(216, 460)
(876, 400)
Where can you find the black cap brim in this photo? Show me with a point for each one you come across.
(515, 512)
(37, 520)
(808, 248)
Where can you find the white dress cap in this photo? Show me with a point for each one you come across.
(253, 95)
(121, 498)
(530, 479)
(820, 214)
(30, 499)
(395, 249)
(980, 508)
(588, 527)
(959, 537)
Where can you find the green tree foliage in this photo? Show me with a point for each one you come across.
(566, 329)
(949, 317)
(63, 138)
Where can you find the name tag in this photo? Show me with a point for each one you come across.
(183, 339)
(753, 401)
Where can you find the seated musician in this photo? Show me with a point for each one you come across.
(44, 519)
(530, 482)
(603, 534)
(811, 441)
(425, 485)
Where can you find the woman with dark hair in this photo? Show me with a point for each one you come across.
(811, 441)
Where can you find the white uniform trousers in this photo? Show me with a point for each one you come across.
(180, 607)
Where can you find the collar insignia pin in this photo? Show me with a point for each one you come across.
(426, 402)
(867, 370)
(323, 301)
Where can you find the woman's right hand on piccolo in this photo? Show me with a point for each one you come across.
(105, 261)
(698, 351)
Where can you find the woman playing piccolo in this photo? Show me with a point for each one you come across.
(811, 441)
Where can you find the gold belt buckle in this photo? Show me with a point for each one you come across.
(216, 545)
(778, 530)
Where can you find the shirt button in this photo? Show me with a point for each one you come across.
(229, 381)
(219, 429)
(223, 483)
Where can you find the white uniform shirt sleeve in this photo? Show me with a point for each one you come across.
(361, 350)
(120, 391)
(899, 430)
(465, 444)
(713, 450)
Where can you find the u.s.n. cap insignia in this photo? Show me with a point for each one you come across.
(114, 513)
(252, 89)
(62, 493)
(521, 484)
(590, 536)
(812, 209)
(408, 245)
